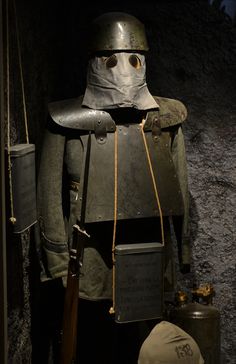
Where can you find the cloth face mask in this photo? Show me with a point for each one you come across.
(118, 81)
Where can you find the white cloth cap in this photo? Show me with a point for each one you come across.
(169, 344)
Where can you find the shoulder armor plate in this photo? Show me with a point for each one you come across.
(70, 114)
(171, 112)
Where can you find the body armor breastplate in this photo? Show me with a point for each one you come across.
(135, 191)
(131, 180)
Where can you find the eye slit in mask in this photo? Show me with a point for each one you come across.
(110, 61)
(135, 61)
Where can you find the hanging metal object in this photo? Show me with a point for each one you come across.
(20, 157)
(201, 320)
(139, 282)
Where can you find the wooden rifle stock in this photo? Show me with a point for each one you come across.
(69, 330)
(70, 317)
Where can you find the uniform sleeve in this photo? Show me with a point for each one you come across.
(181, 224)
(52, 229)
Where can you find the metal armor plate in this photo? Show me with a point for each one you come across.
(135, 192)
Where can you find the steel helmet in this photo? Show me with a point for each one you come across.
(117, 31)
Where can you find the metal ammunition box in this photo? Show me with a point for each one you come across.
(138, 282)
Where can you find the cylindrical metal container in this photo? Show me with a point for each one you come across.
(202, 322)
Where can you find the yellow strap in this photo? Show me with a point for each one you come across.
(154, 183)
(112, 309)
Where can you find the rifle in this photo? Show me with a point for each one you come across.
(70, 315)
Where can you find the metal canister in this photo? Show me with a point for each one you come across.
(201, 320)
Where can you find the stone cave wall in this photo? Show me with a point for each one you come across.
(192, 58)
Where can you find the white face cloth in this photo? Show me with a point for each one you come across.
(118, 81)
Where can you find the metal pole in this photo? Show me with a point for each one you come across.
(3, 266)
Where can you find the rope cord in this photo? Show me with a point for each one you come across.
(154, 183)
(112, 309)
(12, 217)
(21, 76)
